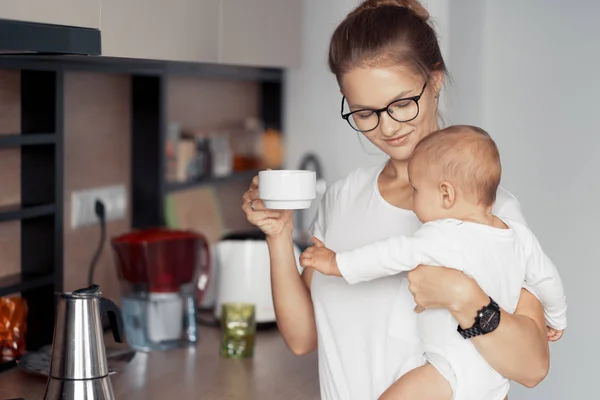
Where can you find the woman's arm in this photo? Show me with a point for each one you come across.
(291, 297)
(517, 349)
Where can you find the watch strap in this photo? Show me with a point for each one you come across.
(493, 304)
(469, 332)
(475, 330)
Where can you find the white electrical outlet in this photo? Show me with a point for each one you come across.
(83, 202)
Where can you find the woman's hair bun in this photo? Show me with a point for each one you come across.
(385, 33)
(413, 5)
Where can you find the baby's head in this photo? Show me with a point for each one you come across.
(454, 172)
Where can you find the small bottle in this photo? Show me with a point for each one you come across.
(204, 160)
(221, 153)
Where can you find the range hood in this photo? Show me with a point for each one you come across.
(20, 37)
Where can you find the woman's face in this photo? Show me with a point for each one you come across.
(374, 88)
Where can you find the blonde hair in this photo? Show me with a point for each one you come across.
(467, 157)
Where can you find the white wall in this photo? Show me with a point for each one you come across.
(312, 101)
(527, 72)
(537, 96)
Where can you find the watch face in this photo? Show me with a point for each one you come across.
(489, 320)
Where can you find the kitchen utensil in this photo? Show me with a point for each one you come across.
(287, 189)
(222, 156)
(13, 327)
(78, 367)
(238, 330)
(163, 274)
(243, 273)
(247, 146)
(38, 362)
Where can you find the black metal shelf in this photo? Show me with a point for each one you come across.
(41, 211)
(18, 283)
(42, 155)
(14, 214)
(178, 186)
(31, 139)
(140, 67)
(149, 132)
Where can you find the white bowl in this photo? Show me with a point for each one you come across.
(287, 189)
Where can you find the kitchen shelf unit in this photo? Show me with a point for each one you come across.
(149, 127)
(40, 212)
(27, 140)
(237, 176)
(42, 163)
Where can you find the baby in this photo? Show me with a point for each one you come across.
(455, 174)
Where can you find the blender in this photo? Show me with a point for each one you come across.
(163, 274)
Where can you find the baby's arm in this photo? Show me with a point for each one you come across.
(353, 263)
(429, 245)
(320, 258)
(545, 280)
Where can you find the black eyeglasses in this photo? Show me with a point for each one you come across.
(366, 120)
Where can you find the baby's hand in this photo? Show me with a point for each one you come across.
(320, 258)
(554, 334)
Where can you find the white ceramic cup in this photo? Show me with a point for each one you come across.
(287, 189)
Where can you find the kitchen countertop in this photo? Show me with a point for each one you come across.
(199, 373)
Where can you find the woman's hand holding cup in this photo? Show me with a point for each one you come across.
(270, 207)
(273, 223)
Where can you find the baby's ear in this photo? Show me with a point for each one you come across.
(448, 194)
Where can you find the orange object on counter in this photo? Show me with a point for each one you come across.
(13, 327)
(273, 150)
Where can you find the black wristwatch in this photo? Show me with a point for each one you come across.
(486, 321)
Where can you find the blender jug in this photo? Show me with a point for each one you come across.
(163, 274)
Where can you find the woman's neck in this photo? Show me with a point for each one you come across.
(396, 171)
(394, 185)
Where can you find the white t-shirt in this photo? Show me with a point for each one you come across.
(360, 353)
(498, 259)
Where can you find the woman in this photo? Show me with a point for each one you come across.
(388, 64)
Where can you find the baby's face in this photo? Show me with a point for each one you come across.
(427, 196)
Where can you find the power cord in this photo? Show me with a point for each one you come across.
(100, 211)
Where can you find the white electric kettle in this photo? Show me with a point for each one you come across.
(242, 270)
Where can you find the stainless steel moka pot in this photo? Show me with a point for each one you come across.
(78, 368)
